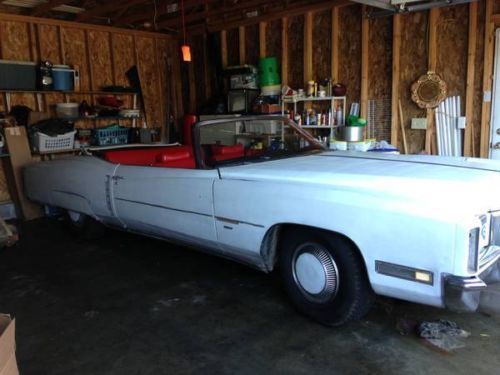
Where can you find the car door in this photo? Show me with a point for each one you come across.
(167, 202)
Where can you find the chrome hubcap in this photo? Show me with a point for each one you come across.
(315, 272)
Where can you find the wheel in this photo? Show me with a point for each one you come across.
(324, 277)
(84, 226)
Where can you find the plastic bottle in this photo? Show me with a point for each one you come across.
(339, 116)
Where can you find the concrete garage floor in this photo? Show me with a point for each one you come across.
(130, 305)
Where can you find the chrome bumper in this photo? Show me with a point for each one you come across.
(469, 294)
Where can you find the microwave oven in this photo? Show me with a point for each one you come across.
(241, 100)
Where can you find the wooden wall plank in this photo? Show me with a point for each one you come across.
(469, 144)
(335, 44)
(365, 39)
(380, 74)
(308, 48)
(262, 39)
(284, 49)
(223, 47)
(252, 37)
(145, 52)
(478, 79)
(350, 58)
(396, 65)
(241, 45)
(295, 42)
(233, 47)
(274, 39)
(413, 63)
(431, 65)
(100, 59)
(489, 37)
(322, 30)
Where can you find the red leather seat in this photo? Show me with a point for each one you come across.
(221, 153)
(172, 157)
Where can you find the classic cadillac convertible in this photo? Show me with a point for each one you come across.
(339, 226)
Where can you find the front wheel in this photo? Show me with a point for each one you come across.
(84, 226)
(324, 277)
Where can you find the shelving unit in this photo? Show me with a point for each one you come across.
(39, 94)
(309, 99)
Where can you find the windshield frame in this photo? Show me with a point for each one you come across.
(196, 133)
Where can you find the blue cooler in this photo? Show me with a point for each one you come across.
(64, 78)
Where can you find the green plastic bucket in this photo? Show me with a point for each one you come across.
(268, 71)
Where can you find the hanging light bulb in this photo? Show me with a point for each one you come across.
(186, 53)
(185, 48)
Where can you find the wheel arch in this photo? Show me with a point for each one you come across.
(269, 249)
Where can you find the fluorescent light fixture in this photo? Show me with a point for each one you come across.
(69, 9)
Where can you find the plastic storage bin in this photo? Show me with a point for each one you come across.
(44, 143)
(64, 78)
(67, 110)
(111, 135)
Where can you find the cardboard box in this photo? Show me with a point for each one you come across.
(8, 364)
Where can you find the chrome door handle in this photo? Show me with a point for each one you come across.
(498, 131)
(496, 146)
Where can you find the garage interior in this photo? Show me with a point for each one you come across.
(126, 304)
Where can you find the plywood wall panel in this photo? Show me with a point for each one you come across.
(296, 52)
(413, 65)
(49, 48)
(48, 44)
(75, 53)
(199, 71)
(123, 57)
(15, 41)
(122, 46)
(100, 59)
(380, 74)
(149, 76)
(322, 32)
(350, 55)
(273, 39)
(478, 77)
(233, 45)
(452, 44)
(252, 44)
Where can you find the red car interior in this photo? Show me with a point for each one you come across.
(221, 153)
(172, 157)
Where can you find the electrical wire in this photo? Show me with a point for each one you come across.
(183, 21)
(154, 16)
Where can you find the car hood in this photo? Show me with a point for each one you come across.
(458, 184)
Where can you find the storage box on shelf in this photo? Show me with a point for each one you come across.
(43, 143)
(113, 135)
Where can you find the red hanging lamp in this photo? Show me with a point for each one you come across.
(185, 48)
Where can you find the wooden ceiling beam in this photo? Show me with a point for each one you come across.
(102, 10)
(46, 7)
(145, 15)
(222, 13)
(275, 14)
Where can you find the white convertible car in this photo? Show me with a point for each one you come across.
(340, 226)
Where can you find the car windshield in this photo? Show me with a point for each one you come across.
(250, 140)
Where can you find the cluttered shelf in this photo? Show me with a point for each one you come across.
(92, 118)
(297, 99)
(86, 92)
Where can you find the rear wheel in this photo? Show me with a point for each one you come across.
(325, 277)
